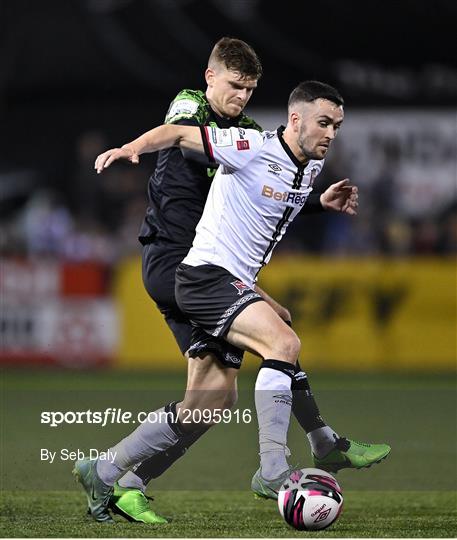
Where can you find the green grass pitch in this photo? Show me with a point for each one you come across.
(233, 514)
(206, 493)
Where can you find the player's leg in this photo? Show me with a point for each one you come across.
(161, 431)
(224, 306)
(143, 472)
(163, 439)
(155, 435)
(261, 330)
(129, 500)
(329, 451)
(304, 406)
(158, 272)
(257, 329)
(210, 386)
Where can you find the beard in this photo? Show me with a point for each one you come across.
(309, 150)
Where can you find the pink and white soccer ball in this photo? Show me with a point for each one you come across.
(310, 500)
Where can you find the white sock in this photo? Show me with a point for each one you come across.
(273, 401)
(131, 481)
(322, 441)
(148, 439)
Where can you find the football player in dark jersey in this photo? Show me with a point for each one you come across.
(177, 193)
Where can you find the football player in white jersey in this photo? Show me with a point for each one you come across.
(246, 215)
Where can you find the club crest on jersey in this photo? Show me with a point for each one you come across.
(242, 145)
(239, 286)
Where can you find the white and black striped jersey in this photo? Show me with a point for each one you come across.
(257, 191)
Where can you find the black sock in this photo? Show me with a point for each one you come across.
(156, 465)
(279, 365)
(304, 405)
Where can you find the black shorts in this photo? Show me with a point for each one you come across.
(212, 297)
(159, 273)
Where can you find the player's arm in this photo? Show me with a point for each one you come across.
(159, 138)
(313, 204)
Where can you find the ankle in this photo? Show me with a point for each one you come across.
(273, 464)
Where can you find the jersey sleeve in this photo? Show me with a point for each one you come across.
(188, 108)
(313, 204)
(233, 147)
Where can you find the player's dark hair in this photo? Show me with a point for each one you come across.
(311, 90)
(238, 56)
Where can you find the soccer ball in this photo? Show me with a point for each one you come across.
(310, 500)
(301, 477)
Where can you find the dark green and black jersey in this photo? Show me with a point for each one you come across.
(178, 188)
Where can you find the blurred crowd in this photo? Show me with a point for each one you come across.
(381, 227)
(97, 217)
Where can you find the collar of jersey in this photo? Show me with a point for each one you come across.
(287, 149)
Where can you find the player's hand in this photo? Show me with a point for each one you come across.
(104, 160)
(341, 197)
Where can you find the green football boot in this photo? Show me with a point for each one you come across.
(349, 454)
(97, 492)
(133, 505)
(268, 489)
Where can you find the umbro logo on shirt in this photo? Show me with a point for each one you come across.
(274, 168)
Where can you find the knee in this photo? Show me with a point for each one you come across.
(290, 346)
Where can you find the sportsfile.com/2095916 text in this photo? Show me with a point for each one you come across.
(113, 415)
